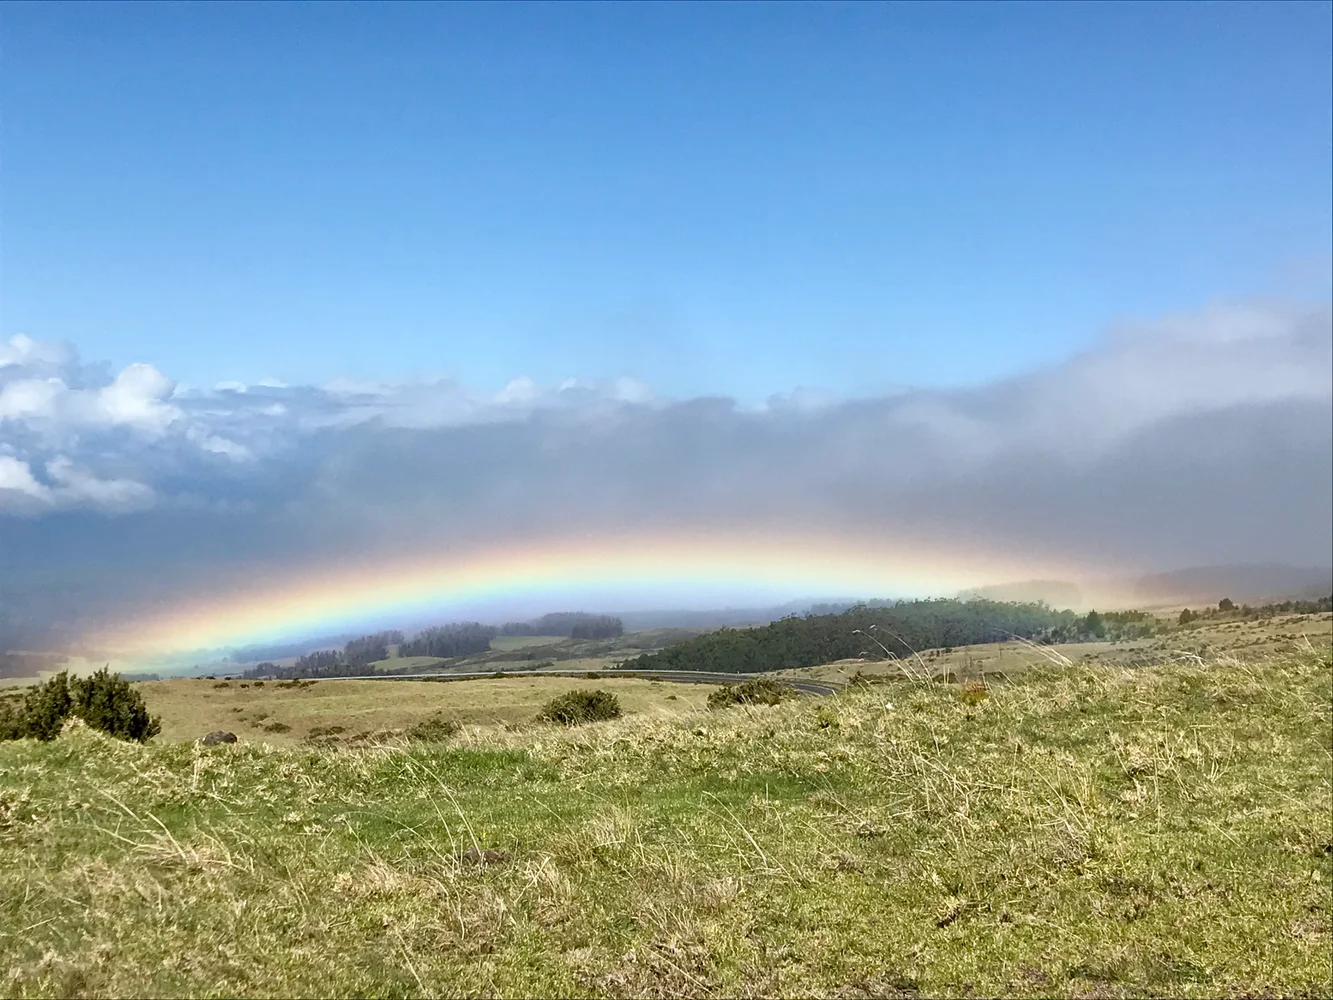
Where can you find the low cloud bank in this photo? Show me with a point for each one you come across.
(1195, 440)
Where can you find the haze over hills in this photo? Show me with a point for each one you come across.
(1250, 583)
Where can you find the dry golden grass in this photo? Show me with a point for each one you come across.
(192, 708)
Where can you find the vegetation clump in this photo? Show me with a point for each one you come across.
(437, 729)
(104, 701)
(580, 706)
(760, 691)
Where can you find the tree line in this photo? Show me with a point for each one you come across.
(1229, 609)
(356, 656)
(574, 624)
(441, 642)
(900, 630)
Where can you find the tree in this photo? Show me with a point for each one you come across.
(1093, 625)
(1186, 617)
(1226, 604)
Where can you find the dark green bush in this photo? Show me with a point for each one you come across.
(434, 730)
(580, 706)
(760, 691)
(11, 720)
(104, 701)
(46, 707)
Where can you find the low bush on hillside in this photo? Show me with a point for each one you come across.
(104, 701)
(578, 707)
(434, 730)
(761, 691)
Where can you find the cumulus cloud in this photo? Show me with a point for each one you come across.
(1194, 439)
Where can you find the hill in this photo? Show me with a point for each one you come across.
(1089, 831)
(901, 631)
(1254, 584)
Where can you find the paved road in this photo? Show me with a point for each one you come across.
(674, 676)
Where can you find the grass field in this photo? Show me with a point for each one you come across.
(508, 643)
(192, 708)
(1087, 831)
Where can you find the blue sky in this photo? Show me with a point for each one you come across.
(716, 199)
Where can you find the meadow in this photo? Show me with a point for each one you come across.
(284, 714)
(1082, 830)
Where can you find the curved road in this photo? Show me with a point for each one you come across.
(674, 676)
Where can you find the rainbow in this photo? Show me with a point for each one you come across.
(683, 569)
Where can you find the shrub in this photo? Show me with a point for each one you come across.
(277, 727)
(434, 730)
(975, 692)
(581, 706)
(46, 707)
(11, 721)
(104, 701)
(760, 691)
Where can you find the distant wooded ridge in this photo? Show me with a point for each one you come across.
(441, 641)
(908, 627)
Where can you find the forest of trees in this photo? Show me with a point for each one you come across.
(462, 639)
(356, 657)
(574, 624)
(442, 641)
(861, 631)
(370, 648)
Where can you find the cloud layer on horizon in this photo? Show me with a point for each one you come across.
(1196, 439)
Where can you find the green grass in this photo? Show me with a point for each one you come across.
(1090, 831)
(509, 643)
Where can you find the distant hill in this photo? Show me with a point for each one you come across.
(1206, 585)
(1253, 584)
(1057, 593)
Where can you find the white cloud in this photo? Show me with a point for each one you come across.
(30, 397)
(79, 486)
(136, 398)
(23, 350)
(16, 477)
(1199, 439)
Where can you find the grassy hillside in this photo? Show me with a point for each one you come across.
(1082, 831)
(283, 715)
